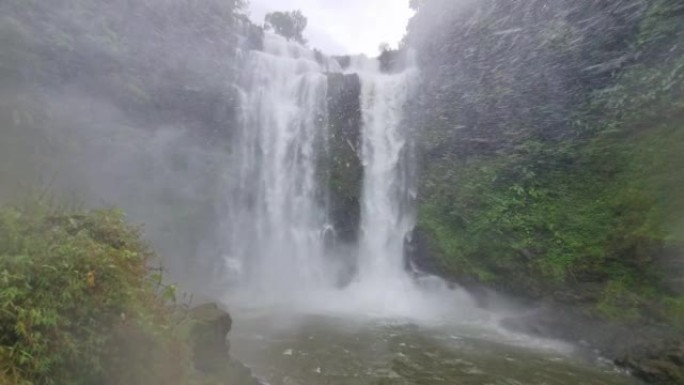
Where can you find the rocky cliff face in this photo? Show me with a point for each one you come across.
(549, 134)
(344, 168)
(498, 73)
(341, 169)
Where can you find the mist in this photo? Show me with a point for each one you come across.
(125, 104)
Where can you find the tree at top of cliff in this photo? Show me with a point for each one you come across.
(290, 25)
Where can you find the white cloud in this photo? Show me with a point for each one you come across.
(344, 26)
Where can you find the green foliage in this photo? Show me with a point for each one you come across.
(661, 25)
(675, 310)
(596, 217)
(290, 25)
(619, 301)
(79, 304)
(518, 223)
(639, 88)
(548, 219)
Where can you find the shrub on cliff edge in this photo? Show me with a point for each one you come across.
(78, 304)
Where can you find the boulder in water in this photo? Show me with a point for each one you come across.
(207, 327)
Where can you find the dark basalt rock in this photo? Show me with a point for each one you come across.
(419, 255)
(208, 327)
(651, 352)
(343, 163)
(661, 363)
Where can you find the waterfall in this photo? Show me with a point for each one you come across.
(383, 286)
(276, 214)
(386, 218)
(279, 216)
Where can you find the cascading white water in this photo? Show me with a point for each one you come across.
(383, 286)
(276, 214)
(385, 218)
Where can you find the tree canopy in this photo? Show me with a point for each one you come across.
(290, 25)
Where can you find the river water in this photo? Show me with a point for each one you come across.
(418, 333)
(318, 350)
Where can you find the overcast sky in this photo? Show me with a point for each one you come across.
(344, 26)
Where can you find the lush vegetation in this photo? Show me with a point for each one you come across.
(544, 220)
(576, 196)
(551, 133)
(552, 140)
(80, 305)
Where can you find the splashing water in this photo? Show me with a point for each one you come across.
(385, 216)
